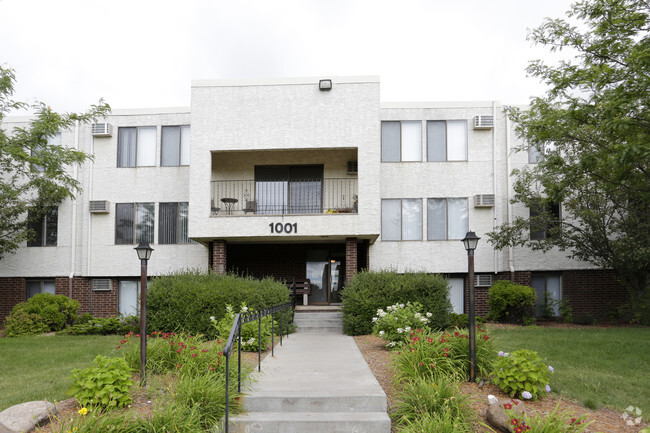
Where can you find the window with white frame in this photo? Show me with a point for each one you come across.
(45, 228)
(401, 141)
(35, 287)
(401, 219)
(175, 146)
(172, 223)
(136, 146)
(447, 218)
(54, 140)
(134, 223)
(548, 288)
(446, 140)
(128, 295)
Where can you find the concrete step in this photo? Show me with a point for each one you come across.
(310, 315)
(298, 401)
(316, 322)
(319, 330)
(312, 422)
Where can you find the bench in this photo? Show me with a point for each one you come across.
(303, 287)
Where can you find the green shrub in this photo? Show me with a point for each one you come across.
(396, 323)
(250, 332)
(522, 372)
(443, 354)
(420, 397)
(369, 291)
(441, 422)
(54, 313)
(462, 320)
(107, 384)
(185, 301)
(554, 422)
(103, 326)
(20, 322)
(511, 303)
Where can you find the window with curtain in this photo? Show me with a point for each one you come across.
(548, 288)
(42, 286)
(175, 146)
(446, 140)
(136, 146)
(401, 219)
(128, 297)
(54, 140)
(44, 227)
(134, 223)
(401, 141)
(447, 218)
(172, 223)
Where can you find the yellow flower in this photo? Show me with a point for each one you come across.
(83, 411)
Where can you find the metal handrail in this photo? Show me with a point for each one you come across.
(235, 333)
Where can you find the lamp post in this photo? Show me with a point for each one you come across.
(144, 253)
(470, 242)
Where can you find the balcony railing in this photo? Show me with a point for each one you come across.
(283, 197)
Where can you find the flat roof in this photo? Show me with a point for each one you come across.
(284, 81)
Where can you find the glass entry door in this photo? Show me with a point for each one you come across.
(326, 273)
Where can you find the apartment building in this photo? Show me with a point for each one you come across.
(292, 178)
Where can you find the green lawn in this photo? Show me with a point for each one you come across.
(595, 366)
(37, 368)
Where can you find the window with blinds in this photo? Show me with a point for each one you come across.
(172, 223)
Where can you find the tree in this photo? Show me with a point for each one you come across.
(34, 173)
(593, 128)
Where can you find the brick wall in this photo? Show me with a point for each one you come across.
(351, 261)
(219, 256)
(12, 291)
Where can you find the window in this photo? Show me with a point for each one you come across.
(45, 228)
(134, 223)
(401, 141)
(544, 221)
(44, 286)
(128, 297)
(401, 220)
(534, 154)
(175, 146)
(282, 189)
(457, 294)
(548, 288)
(447, 218)
(447, 140)
(54, 140)
(136, 146)
(172, 223)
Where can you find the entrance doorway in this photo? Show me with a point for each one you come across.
(326, 273)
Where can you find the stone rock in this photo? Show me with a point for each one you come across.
(497, 416)
(492, 399)
(25, 417)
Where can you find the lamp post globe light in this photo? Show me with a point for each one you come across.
(471, 241)
(144, 254)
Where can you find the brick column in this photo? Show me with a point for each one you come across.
(366, 244)
(350, 258)
(219, 256)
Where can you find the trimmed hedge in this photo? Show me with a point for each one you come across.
(512, 303)
(185, 301)
(369, 291)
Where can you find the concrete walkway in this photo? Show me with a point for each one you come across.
(315, 383)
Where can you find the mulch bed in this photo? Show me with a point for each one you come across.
(379, 359)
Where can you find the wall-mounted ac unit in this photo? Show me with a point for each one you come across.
(483, 122)
(484, 280)
(484, 200)
(102, 130)
(100, 206)
(353, 167)
(102, 285)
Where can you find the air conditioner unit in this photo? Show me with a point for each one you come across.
(484, 280)
(353, 167)
(484, 200)
(99, 206)
(102, 130)
(483, 122)
(102, 285)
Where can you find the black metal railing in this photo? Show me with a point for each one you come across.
(235, 337)
(283, 197)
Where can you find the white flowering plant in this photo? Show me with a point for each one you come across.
(249, 331)
(396, 322)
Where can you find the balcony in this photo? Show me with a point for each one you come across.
(279, 197)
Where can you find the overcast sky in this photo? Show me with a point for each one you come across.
(141, 53)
